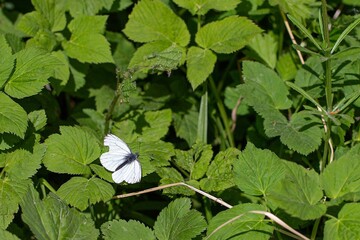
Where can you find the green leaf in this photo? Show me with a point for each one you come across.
(22, 164)
(11, 193)
(83, 7)
(62, 73)
(102, 172)
(103, 97)
(53, 11)
(299, 193)
(227, 35)
(152, 20)
(123, 230)
(257, 171)
(200, 64)
(246, 226)
(299, 9)
(86, 43)
(6, 60)
(346, 226)
(71, 152)
(158, 55)
(33, 68)
(219, 175)
(13, 118)
(265, 46)
(51, 218)
(185, 124)
(286, 67)
(157, 124)
(344, 34)
(233, 98)
(32, 22)
(342, 176)
(177, 221)
(38, 119)
(80, 192)
(7, 235)
(201, 7)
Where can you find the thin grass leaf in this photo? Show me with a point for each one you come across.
(344, 34)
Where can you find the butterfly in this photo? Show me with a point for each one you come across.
(121, 161)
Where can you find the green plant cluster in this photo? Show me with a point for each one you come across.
(252, 103)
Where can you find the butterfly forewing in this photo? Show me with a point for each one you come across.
(130, 173)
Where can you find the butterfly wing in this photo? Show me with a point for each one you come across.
(118, 151)
(130, 173)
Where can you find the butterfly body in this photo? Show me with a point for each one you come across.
(120, 160)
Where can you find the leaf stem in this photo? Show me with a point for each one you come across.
(47, 184)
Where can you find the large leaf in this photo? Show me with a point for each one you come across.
(219, 175)
(86, 43)
(177, 221)
(122, 230)
(80, 192)
(158, 123)
(84, 7)
(299, 193)
(7, 235)
(33, 68)
(200, 64)
(227, 35)
(265, 46)
(12, 191)
(247, 225)
(52, 219)
(71, 152)
(257, 171)
(152, 20)
(13, 118)
(185, 124)
(6, 60)
(201, 7)
(346, 225)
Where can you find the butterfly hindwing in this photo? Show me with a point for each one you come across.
(130, 173)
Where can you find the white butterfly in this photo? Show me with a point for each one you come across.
(120, 160)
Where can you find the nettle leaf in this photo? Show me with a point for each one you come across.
(87, 44)
(83, 7)
(12, 191)
(201, 7)
(299, 193)
(342, 176)
(265, 46)
(33, 68)
(6, 60)
(80, 192)
(177, 221)
(13, 118)
(227, 35)
(22, 164)
(200, 64)
(257, 171)
(51, 218)
(123, 230)
(248, 226)
(219, 175)
(346, 226)
(7, 235)
(38, 119)
(71, 151)
(158, 55)
(158, 123)
(152, 20)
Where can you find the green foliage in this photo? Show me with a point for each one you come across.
(212, 95)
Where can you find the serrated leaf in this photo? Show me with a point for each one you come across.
(7, 235)
(38, 119)
(201, 7)
(185, 124)
(71, 152)
(103, 97)
(286, 67)
(257, 171)
(13, 118)
(177, 221)
(342, 176)
(6, 60)
(33, 68)
(219, 175)
(299, 193)
(53, 11)
(51, 218)
(158, 123)
(80, 192)
(248, 226)
(152, 20)
(32, 22)
(123, 230)
(102, 172)
(22, 164)
(346, 226)
(86, 43)
(265, 46)
(84, 7)
(200, 64)
(11, 193)
(62, 73)
(158, 55)
(299, 9)
(233, 98)
(227, 35)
